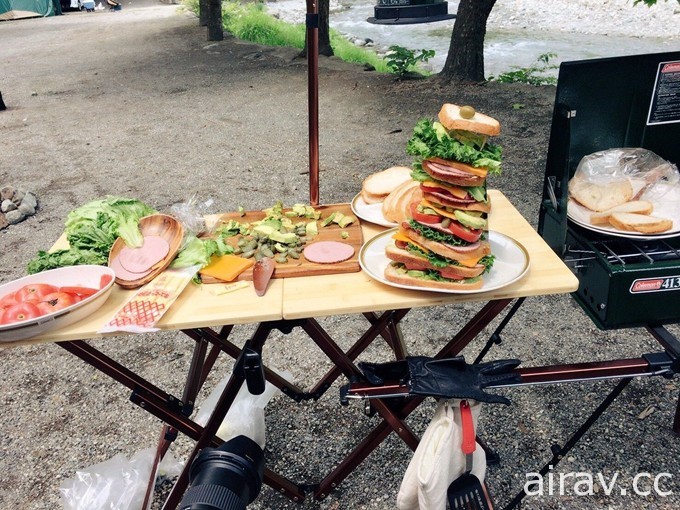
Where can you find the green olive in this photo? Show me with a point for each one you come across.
(467, 112)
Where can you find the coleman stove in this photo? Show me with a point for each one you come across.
(600, 104)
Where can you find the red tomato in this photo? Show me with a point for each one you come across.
(34, 292)
(104, 280)
(57, 301)
(20, 312)
(2, 313)
(422, 217)
(8, 300)
(466, 234)
(83, 292)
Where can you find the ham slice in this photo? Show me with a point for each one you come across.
(124, 274)
(142, 259)
(328, 252)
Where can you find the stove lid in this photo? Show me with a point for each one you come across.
(630, 101)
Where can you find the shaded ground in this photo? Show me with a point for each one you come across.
(137, 103)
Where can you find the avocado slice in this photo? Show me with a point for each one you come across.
(470, 220)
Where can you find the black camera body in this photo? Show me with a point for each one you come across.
(225, 478)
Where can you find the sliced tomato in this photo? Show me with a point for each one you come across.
(104, 280)
(465, 233)
(8, 300)
(34, 292)
(422, 217)
(2, 313)
(58, 301)
(83, 292)
(20, 312)
(450, 274)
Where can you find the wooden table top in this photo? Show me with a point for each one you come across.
(347, 293)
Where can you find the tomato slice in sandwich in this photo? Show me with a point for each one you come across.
(423, 217)
(465, 233)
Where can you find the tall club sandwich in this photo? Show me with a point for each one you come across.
(444, 241)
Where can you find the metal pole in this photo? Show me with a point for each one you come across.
(313, 98)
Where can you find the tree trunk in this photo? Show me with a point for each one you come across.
(203, 7)
(465, 61)
(324, 30)
(215, 30)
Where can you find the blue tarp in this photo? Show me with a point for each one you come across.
(15, 9)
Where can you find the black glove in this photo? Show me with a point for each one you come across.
(445, 378)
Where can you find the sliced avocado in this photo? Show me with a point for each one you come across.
(311, 229)
(280, 248)
(337, 217)
(440, 130)
(415, 273)
(280, 237)
(328, 220)
(345, 221)
(469, 220)
(265, 230)
(477, 192)
(299, 209)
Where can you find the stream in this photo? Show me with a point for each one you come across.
(504, 50)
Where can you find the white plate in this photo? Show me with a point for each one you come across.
(72, 276)
(511, 264)
(370, 212)
(666, 207)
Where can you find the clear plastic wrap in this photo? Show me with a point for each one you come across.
(192, 213)
(648, 176)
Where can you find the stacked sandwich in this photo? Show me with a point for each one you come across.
(444, 242)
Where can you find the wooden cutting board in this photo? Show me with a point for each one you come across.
(301, 266)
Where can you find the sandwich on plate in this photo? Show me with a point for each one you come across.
(443, 243)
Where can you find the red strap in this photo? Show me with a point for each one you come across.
(469, 445)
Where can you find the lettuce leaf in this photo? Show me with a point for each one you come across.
(428, 141)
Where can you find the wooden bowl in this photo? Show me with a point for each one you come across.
(161, 225)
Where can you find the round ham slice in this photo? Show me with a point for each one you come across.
(142, 259)
(124, 274)
(328, 252)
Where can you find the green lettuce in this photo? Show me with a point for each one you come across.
(430, 140)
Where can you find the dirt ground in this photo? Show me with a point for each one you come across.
(137, 103)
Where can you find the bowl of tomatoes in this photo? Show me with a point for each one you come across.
(36, 304)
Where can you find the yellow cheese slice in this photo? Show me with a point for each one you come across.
(400, 236)
(441, 212)
(456, 191)
(226, 267)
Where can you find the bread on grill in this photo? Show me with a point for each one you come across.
(640, 223)
(634, 206)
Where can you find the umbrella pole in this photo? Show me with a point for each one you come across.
(312, 23)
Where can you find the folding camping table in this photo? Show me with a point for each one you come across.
(297, 302)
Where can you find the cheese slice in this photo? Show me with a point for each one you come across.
(456, 191)
(226, 267)
(441, 212)
(400, 236)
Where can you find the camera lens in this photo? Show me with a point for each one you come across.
(225, 478)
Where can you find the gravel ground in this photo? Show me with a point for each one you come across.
(137, 103)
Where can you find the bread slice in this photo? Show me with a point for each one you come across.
(377, 186)
(392, 274)
(450, 117)
(640, 223)
(600, 197)
(634, 206)
(392, 206)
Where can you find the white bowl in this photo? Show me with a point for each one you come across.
(72, 276)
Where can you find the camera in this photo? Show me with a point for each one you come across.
(225, 478)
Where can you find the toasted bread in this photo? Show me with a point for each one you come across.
(634, 206)
(600, 197)
(377, 186)
(450, 117)
(640, 223)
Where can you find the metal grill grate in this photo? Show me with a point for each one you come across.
(621, 251)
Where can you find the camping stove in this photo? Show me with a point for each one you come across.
(601, 104)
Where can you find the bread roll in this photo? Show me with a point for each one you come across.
(600, 197)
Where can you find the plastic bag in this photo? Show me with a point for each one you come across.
(650, 176)
(116, 484)
(246, 414)
(192, 215)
